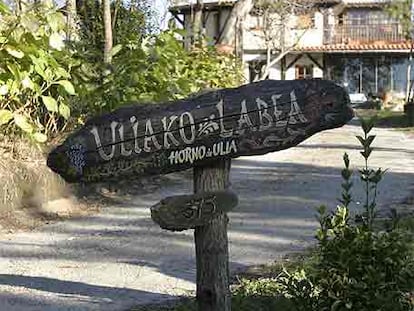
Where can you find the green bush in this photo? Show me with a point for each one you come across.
(261, 295)
(356, 266)
(158, 69)
(40, 73)
(35, 71)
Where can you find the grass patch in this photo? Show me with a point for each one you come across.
(253, 289)
(387, 118)
(256, 302)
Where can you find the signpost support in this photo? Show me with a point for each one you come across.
(211, 243)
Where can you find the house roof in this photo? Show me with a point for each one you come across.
(180, 5)
(183, 5)
(358, 47)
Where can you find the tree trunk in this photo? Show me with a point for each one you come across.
(198, 23)
(228, 34)
(71, 19)
(213, 293)
(266, 71)
(108, 31)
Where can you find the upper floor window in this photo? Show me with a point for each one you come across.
(365, 17)
(306, 21)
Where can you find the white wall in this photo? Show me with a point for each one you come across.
(312, 36)
(253, 36)
(304, 61)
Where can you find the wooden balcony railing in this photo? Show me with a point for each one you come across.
(369, 32)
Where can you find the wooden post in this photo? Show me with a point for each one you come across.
(212, 255)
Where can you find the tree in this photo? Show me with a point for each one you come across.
(108, 31)
(280, 19)
(130, 22)
(70, 19)
(197, 31)
(277, 24)
(238, 13)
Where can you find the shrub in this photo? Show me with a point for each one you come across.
(34, 71)
(356, 266)
(158, 69)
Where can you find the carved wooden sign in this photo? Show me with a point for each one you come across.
(183, 212)
(149, 139)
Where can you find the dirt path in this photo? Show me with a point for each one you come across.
(120, 258)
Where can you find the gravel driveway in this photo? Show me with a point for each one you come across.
(120, 258)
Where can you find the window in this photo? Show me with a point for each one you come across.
(306, 21)
(366, 17)
(256, 70)
(303, 72)
(371, 74)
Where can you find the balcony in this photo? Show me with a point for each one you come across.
(368, 31)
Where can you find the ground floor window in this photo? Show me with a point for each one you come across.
(303, 72)
(371, 74)
(256, 68)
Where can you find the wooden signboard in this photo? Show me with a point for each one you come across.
(150, 139)
(183, 212)
(203, 132)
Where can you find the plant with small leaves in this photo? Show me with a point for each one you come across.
(370, 177)
(356, 266)
(347, 184)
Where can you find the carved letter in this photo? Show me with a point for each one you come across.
(263, 114)
(223, 131)
(167, 132)
(98, 143)
(134, 123)
(192, 128)
(278, 113)
(216, 149)
(233, 147)
(181, 156)
(202, 150)
(149, 136)
(244, 119)
(173, 157)
(295, 114)
(124, 152)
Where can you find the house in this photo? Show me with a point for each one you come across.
(354, 42)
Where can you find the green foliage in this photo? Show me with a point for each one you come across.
(262, 287)
(131, 22)
(35, 72)
(356, 267)
(157, 69)
(43, 82)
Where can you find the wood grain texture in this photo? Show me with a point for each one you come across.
(212, 254)
(150, 139)
(181, 212)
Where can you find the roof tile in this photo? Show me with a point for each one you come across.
(339, 47)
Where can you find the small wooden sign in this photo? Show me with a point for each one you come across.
(151, 139)
(183, 212)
